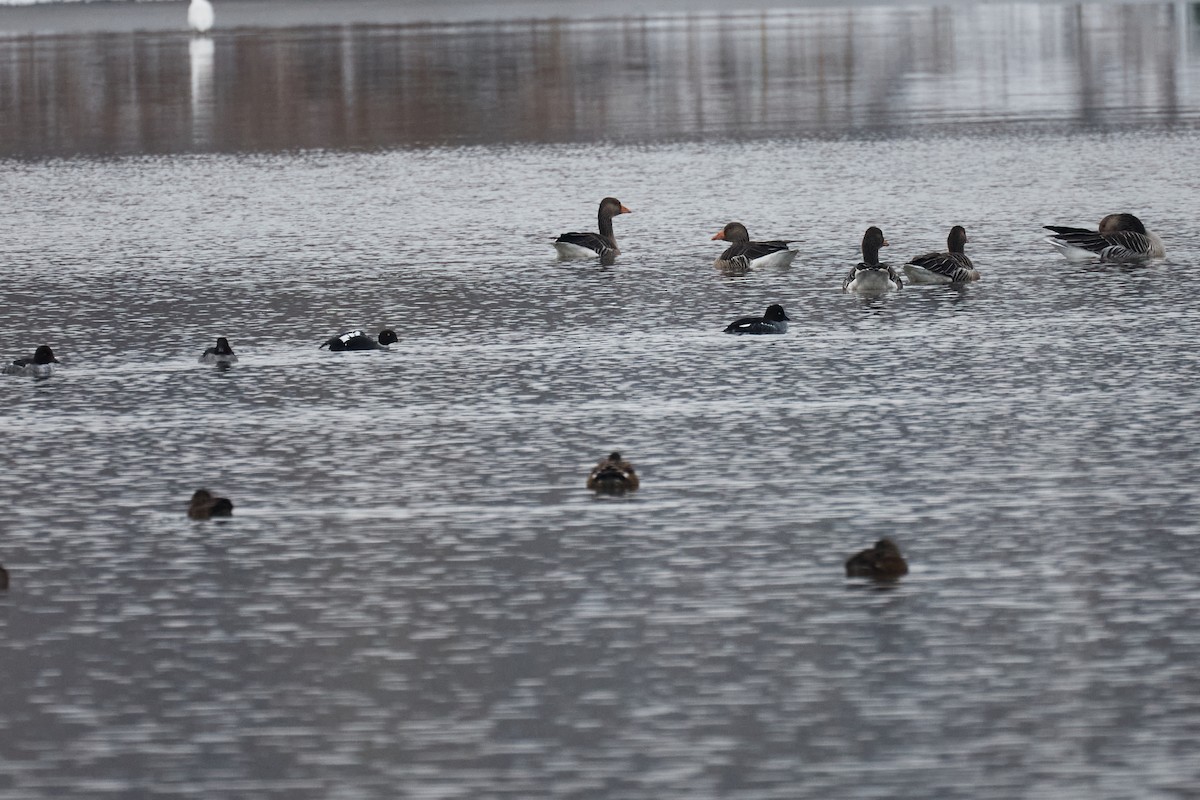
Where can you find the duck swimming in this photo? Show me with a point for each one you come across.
(1122, 238)
(39, 365)
(953, 266)
(774, 321)
(882, 562)
(869, 276)
(222, 354)
(590, 245)
(613, 475)
(743, 254)
(205, 505)
(357, 340)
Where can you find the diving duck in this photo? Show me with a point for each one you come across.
(357, 340)
(222, 354)
(613, 475)
(882, 562)
(205, 505)
(39, 365)
(774, 321)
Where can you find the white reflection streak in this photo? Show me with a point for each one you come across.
(200, 52)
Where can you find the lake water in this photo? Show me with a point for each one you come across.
(416, 596)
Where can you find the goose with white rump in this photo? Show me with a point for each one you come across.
(743, 254)
(577, 245)
(869, 276)
(1122, 238)
(953, 266)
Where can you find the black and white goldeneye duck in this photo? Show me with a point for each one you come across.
(357, 340)
(205, 505)
(882, 562)
(743, 254)
(774, 321)
(613, 475)
(953, 266)
(222, 354)
(1122, 238)
(39, 365)
(869, 276)
(590, 245)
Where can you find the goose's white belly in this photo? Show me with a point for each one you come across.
(566, 250)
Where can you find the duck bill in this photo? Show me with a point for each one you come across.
(624, 210)
(720, 237)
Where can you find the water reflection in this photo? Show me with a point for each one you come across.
(200, 51)
(817, 71)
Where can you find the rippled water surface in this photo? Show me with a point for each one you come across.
(417, 597)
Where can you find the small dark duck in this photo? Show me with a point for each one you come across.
(37, 365)
(221, 354)
(205, 505)
(357, 340)
(613, 475)
(882, 562)
(3, 579)
(774, 321)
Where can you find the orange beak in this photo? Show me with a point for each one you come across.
(720, 237)
(624, 210)
(885, 243)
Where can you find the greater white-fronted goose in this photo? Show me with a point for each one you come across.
(743, 254)
(1122, 238)
(952, 266)
(591, 245)
(221, 355)
(358, 340)
(613, 475)
(869, 276)
(881, 562)
(774, 321)
(39, 365)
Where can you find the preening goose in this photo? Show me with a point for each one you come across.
(1122, 238)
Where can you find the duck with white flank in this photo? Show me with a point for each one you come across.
(743, 254)
(222, 355)
(1122, 238)
(613, 475)
(590, 245)
(358, 340)
(952, 266)
(39, 365)
(869, 276)
(774, 321)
